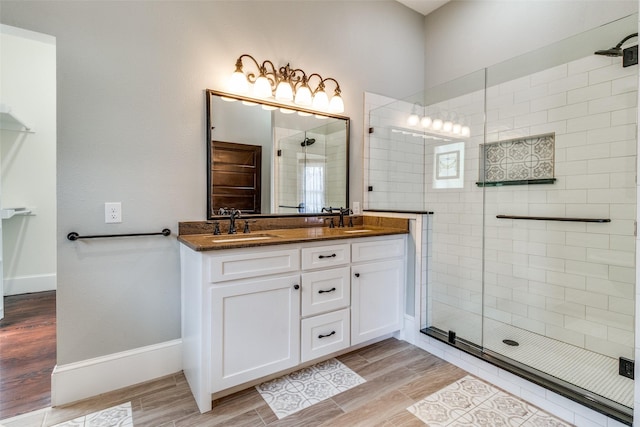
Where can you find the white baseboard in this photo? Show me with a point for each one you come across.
(27, 284)
(88, 378)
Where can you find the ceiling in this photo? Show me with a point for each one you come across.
(425, 7)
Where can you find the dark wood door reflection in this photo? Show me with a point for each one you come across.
(236, 174)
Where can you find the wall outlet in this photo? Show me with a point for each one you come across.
(112, 212)
(356, 208)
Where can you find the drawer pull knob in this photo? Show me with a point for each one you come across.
(328, 335)
(327, 256)
(296, 286)
(322, 291)
(357, 275)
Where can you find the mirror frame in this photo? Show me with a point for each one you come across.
(209, 124)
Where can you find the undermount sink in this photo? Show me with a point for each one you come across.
(356, 231)
(241, 238)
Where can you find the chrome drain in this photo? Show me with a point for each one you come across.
(511, 343)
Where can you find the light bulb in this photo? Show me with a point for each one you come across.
(284, 91)
(320, 100)
(238, 82)
(336, 105)
(465, 131)
(262, 87)
(413, 119)
(457, 128)
(437, 124)
(303, 95)
(426, 122)
(447, 126)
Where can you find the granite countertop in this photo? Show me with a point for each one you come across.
(207, 242)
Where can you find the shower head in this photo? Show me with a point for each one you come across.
(617, 49)
(307, 142)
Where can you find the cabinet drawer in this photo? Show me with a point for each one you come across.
(325, 290)
(325, 256)
(379, 249)
(325, 334)
(252, 264)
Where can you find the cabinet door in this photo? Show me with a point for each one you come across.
(255, 329)
(376, 299)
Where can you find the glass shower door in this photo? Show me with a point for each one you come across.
(559, 166)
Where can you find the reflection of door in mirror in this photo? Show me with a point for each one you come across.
(236, 175)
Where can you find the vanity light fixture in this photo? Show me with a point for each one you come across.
(286, 85)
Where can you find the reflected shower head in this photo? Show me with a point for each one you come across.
(307, 142)
(617, 49)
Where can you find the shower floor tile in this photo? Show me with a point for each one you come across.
(583, 368)
(298, 390)
(472, 402)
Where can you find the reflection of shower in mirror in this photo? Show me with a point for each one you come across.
(307, 142)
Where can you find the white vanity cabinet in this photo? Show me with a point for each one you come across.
(254, 312)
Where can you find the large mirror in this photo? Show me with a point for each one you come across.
(263, 158)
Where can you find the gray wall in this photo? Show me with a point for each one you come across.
(131, 124)
(464, 36)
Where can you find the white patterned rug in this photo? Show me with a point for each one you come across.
(301, 389)
(471, 402)
(116, 416)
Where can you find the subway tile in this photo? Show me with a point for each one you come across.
(619, 336)
(588, 93)
(545, 316)
(567, 308)
(624, 84)
(588, 63)
(585, 327)
(589, 122)
(624, 117)
(616, 320)
(529, 324)
(611, 287)
(612, 72)
(547, 289)
(622, 274)
(611, 257)
(622, 132)
(591, 299)
(573, 81)
(583, 181)
(613, 103)
(587, 269)
(570, 111)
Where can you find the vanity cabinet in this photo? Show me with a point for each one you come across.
(254, 312)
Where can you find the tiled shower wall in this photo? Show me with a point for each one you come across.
(571, 281)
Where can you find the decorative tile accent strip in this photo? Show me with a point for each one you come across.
(301, 389)
(471, 402)
(116, 416)
(522, 161)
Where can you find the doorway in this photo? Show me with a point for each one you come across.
(28, 260)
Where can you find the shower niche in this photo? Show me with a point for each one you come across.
(535, 243)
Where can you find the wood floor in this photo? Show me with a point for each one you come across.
(397, 374)
(27, 352)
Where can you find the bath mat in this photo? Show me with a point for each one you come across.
(471, 402)
(298, 390)
(116, 416)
